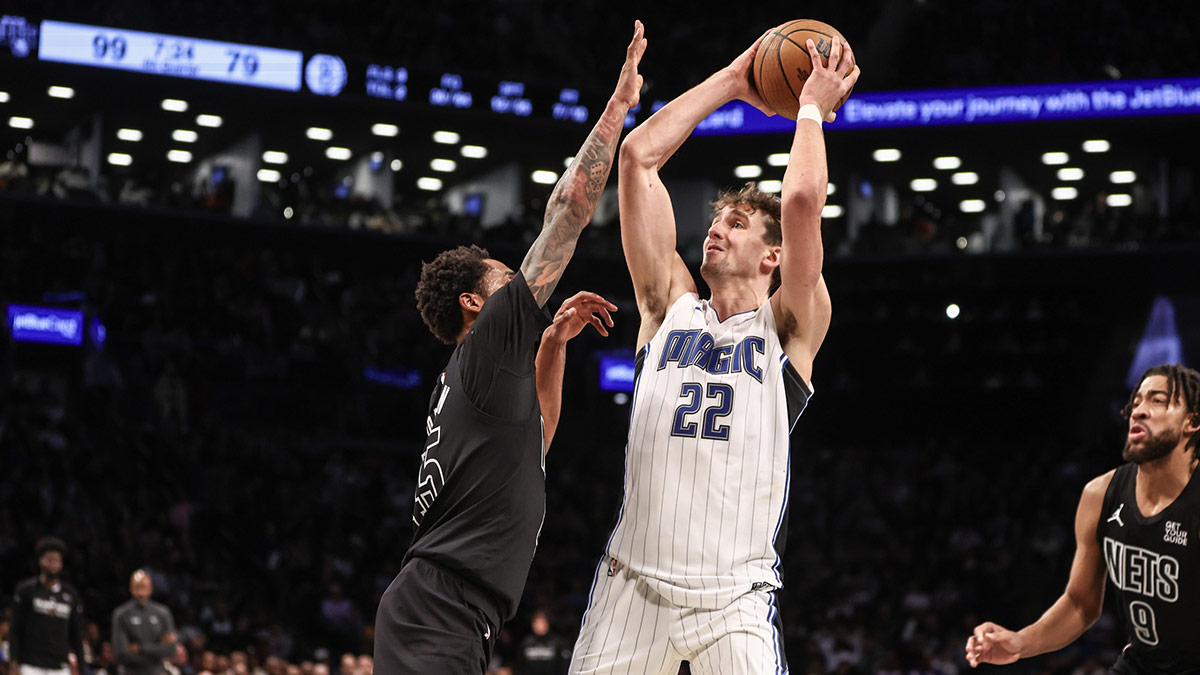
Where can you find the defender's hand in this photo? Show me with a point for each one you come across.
(581, 309)
(830, 83)
(992, 643)
(629, 86)
(740, 69)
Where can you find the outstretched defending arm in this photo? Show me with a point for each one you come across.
(578, 191)
(647, 219)
(802, 306)
(1075, 610)
(581, 309)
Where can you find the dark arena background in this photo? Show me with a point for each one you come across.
(212, 220)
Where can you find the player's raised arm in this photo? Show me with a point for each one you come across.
(1075, 610)
(574, 198)
(578, 311)
(647, 219)
(803, 301)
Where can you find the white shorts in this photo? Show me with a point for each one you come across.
(629, 628)
(34, 670)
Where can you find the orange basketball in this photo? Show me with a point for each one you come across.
(782, 63)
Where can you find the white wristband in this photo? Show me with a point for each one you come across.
(809, 111)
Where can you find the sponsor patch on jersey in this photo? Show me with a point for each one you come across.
(1175, 534)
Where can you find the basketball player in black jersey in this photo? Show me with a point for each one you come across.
(1141, 522)
(480, 496)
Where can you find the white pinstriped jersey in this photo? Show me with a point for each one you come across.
(704, 515)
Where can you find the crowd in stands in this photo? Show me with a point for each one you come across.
(226, 440)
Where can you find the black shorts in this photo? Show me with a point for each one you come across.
(1133, 663)
(425, 625)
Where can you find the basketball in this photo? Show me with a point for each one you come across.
(782, 63)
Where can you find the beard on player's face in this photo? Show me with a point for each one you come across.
(1152, 447)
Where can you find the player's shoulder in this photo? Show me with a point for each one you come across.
(26, 586)
(1098, 486)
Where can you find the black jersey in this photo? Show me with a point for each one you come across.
(481, 489)
(47, 624)
(1155, 565)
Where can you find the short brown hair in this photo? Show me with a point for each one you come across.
(764, 202)
(452, 273)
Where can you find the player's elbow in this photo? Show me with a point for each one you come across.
(801, 205)
(1088, 608)
(635, 152)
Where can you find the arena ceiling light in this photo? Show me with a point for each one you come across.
(431, 184)
(443, 165)
(923, 185)
(446, 137)
(964, 178)
(778, 159)
(20, 122)
(971, 205)
(338, 153)
(174, 105)
(886, 155)
(3, 97)
(56, 91)
(1096, 145)
(388, 130)
(120, 159)
(831, 211)
(1055, 158)
(1064, 193)
(1122, 177)
(131, 135)
(397, 165)
(748, 171)
(953, 311)
(772, 186)
(830, 188)
(275, 157)
(185, 135)
(542, 177)
(473, 151)
(1118, 200)
(269, 175)
(567, 162)
(319, 133)
(210, 121)
(947, 163)
(179, 156)
(1070, 173)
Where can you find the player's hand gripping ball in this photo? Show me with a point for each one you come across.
(782, 63)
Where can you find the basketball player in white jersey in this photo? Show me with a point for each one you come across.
(691, 570)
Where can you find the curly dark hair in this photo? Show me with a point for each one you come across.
(452, 273)
(1183, 385)
(768, 204)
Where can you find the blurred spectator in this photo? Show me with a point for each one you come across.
(542, 652)
(143, 631)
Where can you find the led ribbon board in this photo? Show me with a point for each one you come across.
(170, 55)
(980, 105)
(46, 325)
(617, 373)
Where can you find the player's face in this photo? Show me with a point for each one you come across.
(140, 587)
(51, 563)
(1155, 423)
(734, 246)
(497, 275)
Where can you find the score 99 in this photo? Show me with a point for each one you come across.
(103, 46)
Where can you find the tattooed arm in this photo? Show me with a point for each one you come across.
(575, 197)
